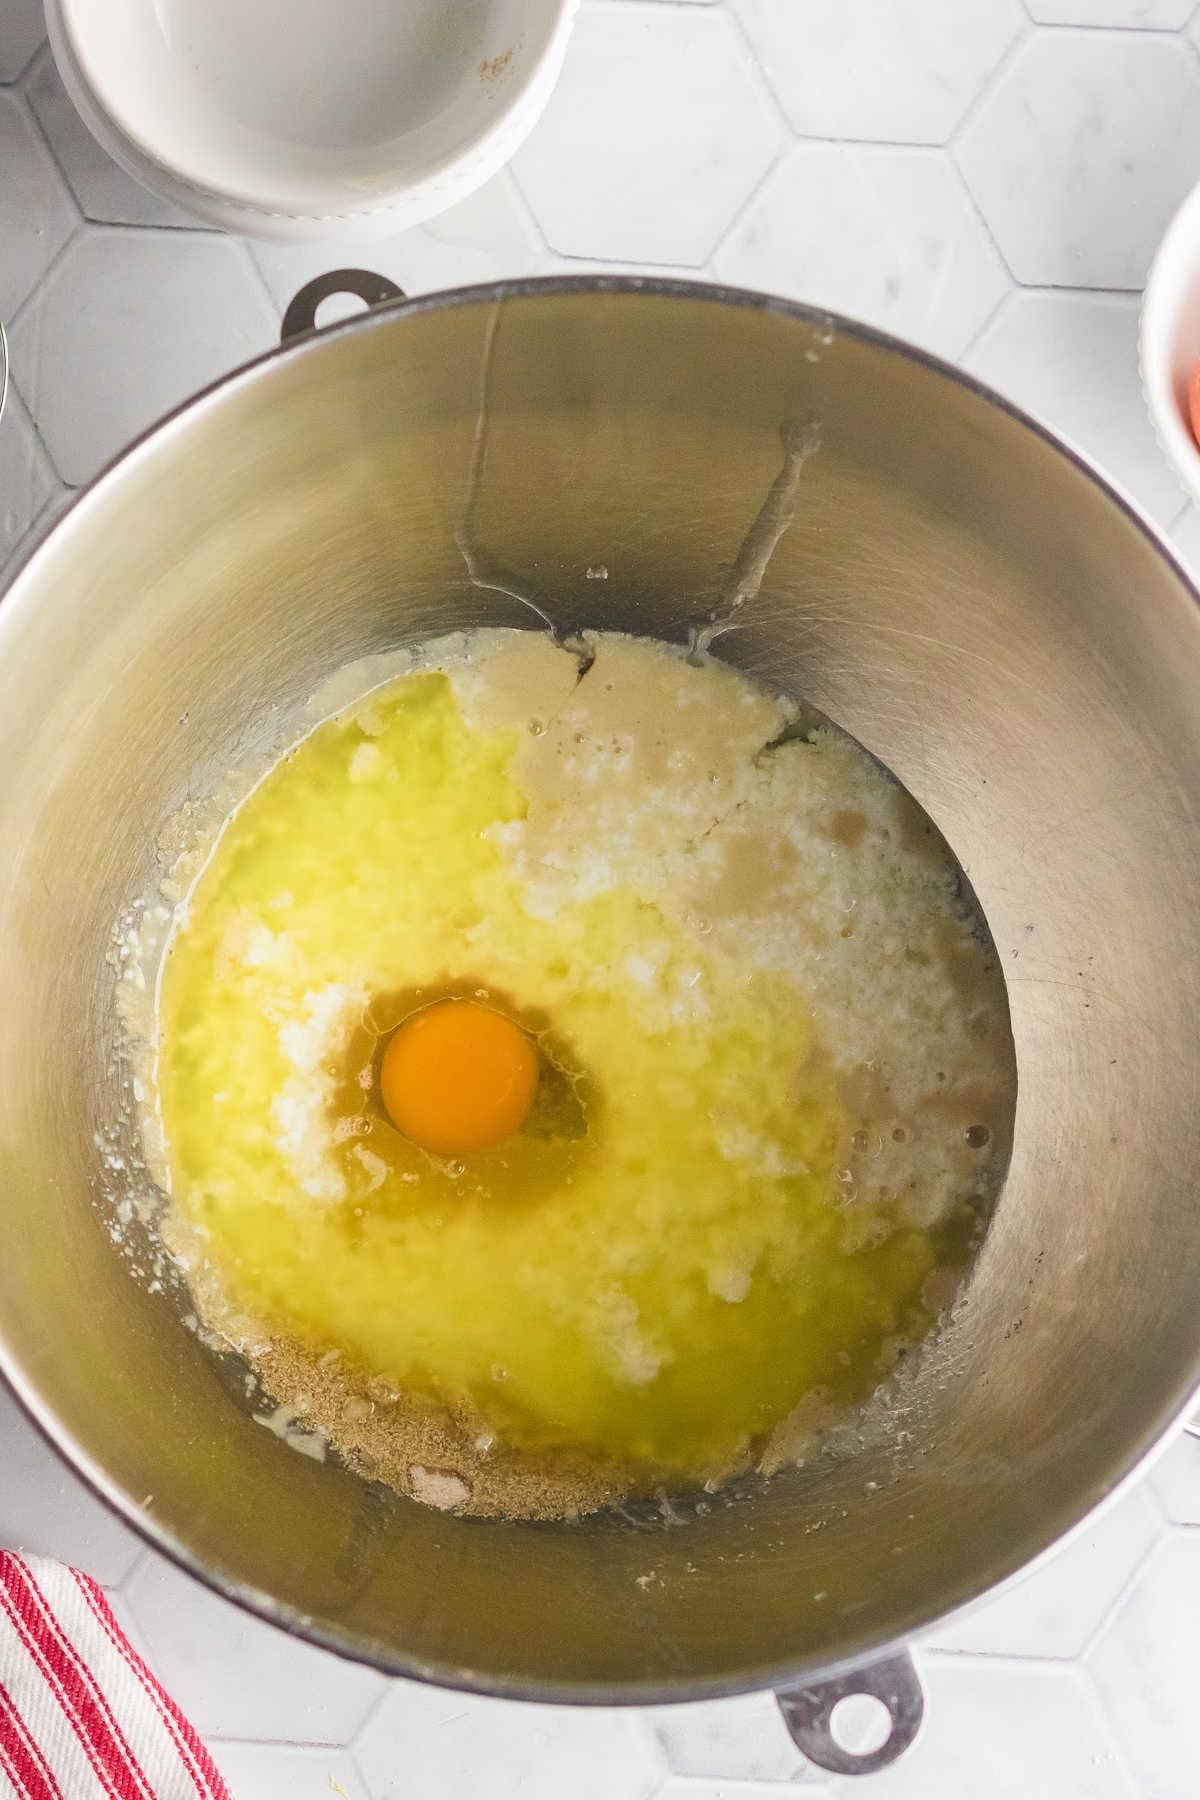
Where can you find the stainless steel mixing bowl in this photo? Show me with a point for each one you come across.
(963, 595)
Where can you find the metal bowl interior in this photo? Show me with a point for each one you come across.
(962, 595)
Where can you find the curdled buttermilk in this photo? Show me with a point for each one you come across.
(777, 1074)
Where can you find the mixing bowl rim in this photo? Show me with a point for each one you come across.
(794, 1670)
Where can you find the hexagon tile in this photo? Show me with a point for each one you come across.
(1118, 15)
(659, 130)
(36, 215)
(285, 1772)
(1056, 1610)
(1082, 151)
(1144, 1666)
(728, 1740)
(46, 1510)
(26, 481)
(103, 190)
(1004, 1731)
(1175, 1477)
(944, 169)
(529, 1752)
(1185, 537)
(893, 71)
(886, 235)
(235, 1676)
(733, 1790)
(23, 30)
(128, 325)
(1041, 351)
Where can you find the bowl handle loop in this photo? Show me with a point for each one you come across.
(301, 315)
(807, 1712)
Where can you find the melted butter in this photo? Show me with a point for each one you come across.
(666, 1261)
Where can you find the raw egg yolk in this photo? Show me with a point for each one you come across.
(458, 1076)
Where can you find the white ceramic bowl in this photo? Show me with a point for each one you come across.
(298, 118)
(1169, 338)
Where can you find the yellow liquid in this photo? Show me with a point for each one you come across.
(628, 1277)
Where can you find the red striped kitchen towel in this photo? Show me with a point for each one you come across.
(81, 1716)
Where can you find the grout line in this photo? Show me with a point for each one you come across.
(1134, 1574)
(44, 56)
(953, 142)
(1118, 1747)
(1080, 289)
(622, 265)
(31, 304)
(739, 25)
(991, 82)
(1044, 1659)
(203, 234)
(260, 280)
(35, 427)
(1097, 27)
(176, 227)
(982, 218)
(138, 1563)
(849, 141)
(40, 133)
(22, 75)
(387, 1688)
(1170, 530)
(751, 50)
(776, 163)
(978, 336)
(527, 206)
(648, 1735)
(38, 290)
(1008, 1659)
(513, 182)
(352, 1753)
(1077, 290)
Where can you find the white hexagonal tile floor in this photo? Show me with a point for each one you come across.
(1082, 151)
(742, 1739)
(24, 27)
(36, 215)
(1144, 1666)
(999, 1730)
(886, 235)
(128, 325)
(285, 1772)
(487, 237)
(1185, 535)
(103, 191)
(46, 1510)
(1175, 1477)
(237, 1677)
(1118, 15)
(730, 1790)
(927, 61)
(26, 479)
(530, 1752)
(659, 130)
(1041, 350)
(1057, 1609)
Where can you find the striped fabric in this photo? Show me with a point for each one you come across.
(81, 1716)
